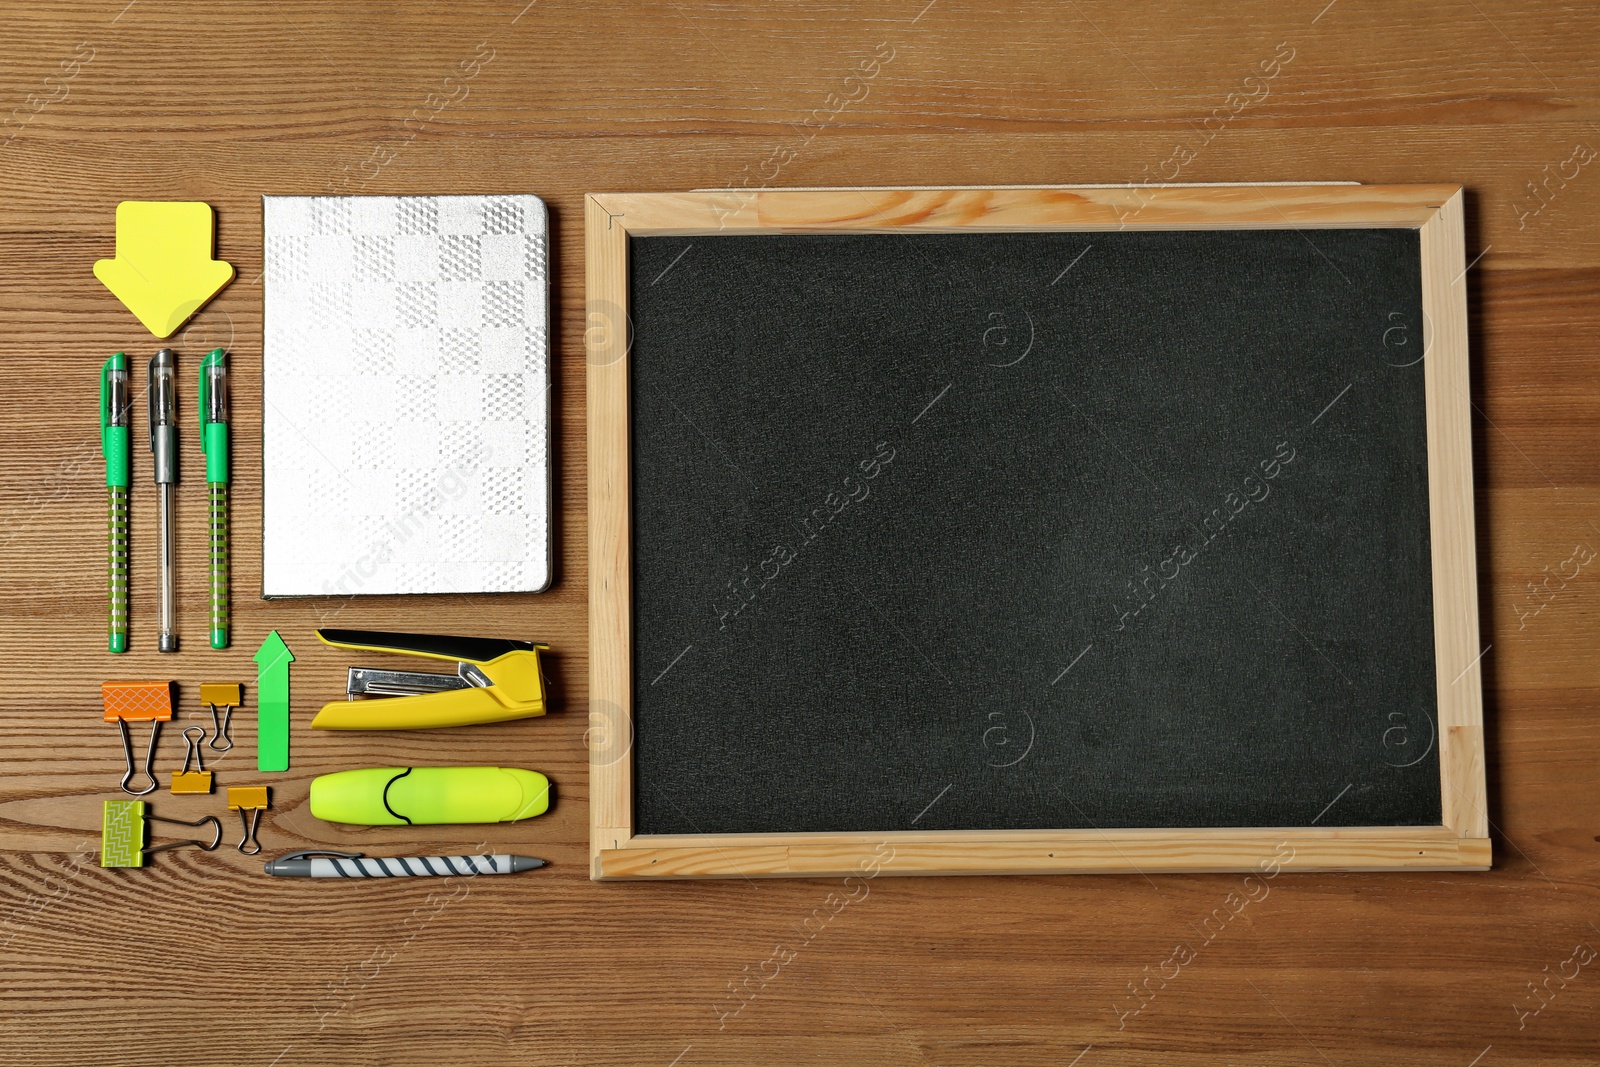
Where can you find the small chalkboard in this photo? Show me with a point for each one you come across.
(1027, 530)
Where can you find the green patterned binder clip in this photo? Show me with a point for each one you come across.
(122, 834)
(122, 826)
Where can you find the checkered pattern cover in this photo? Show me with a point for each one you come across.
(406, 375)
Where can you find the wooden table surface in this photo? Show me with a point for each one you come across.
(200, 958)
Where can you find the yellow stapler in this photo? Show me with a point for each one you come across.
(495, 680)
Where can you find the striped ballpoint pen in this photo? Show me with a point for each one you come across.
(319, 863)
(214, 443)
(115, 408)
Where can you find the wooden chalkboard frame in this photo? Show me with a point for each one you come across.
(1461, 841)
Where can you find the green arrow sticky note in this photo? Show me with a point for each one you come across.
(272, 704)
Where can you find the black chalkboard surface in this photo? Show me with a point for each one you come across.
(1030, 530)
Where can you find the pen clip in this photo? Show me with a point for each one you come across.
(205, 403)
(321, 852)
(105, 395)
(214, 361)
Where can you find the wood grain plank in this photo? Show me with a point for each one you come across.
(1180, 207)
(225, 103)
(1453, 532)
(606, 343)
(1084, 852)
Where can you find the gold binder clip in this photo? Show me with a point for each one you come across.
(186, 782)
(249, 801)
(225, 696)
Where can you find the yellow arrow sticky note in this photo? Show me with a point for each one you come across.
(164, 272)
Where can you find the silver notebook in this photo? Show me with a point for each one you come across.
(406, 375)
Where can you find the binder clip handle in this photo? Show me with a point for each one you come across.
(249, 802)
(216, 840)
(149, 759)
(249, 822)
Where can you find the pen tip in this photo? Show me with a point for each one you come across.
(524, 863)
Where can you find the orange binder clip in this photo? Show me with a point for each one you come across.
(127, 702)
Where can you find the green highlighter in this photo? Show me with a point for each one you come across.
(401, 796)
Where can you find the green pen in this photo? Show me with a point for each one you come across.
(115, 409)
(214, 443)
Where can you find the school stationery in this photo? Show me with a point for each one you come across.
(249, 801)
(223, 698)
(213, 409)
(272, 703)
(398, 796)
(126, 702)
(1058, 529)
(116, 405)
(494, 680)
(164, 449)
(198, 780)
(123, 824)
(406, 372)
(316, 863)
(163, 271)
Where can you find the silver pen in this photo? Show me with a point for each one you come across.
(164, 447)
